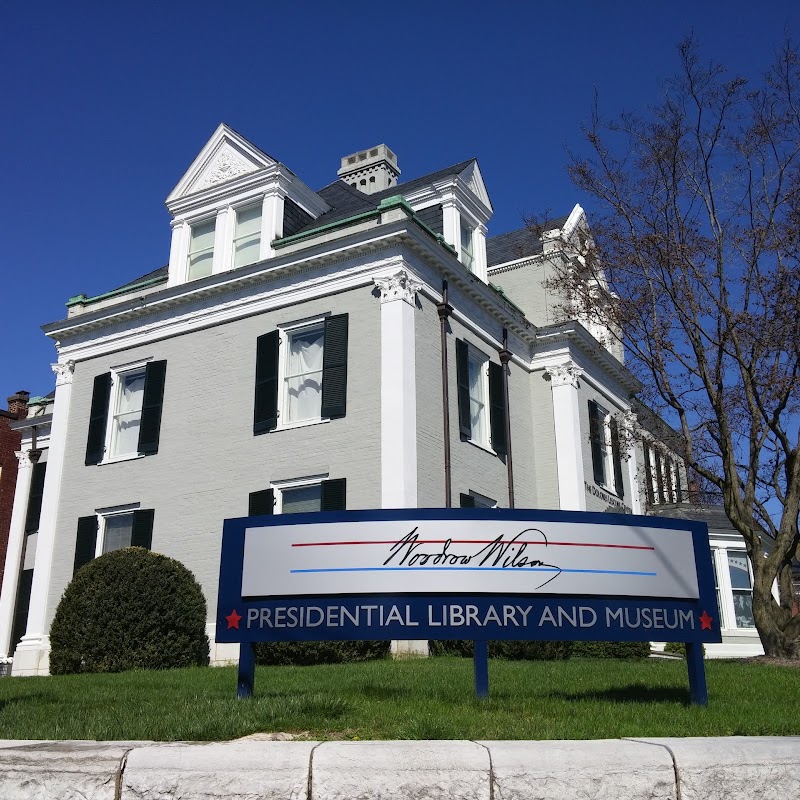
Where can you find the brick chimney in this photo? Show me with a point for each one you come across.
(18, 404)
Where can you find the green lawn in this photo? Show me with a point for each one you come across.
(419, 699)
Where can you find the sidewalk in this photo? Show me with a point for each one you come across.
(735, 768)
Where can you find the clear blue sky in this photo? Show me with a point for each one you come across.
(105, 104)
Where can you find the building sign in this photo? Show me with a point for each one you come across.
(465, 574)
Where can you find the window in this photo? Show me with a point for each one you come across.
(662, 475)
(247, 240)
(741, 588)
(125, 417)
(301, 374)
(112, 529)
(481, 398)
(606, 456)
(201, 250)
(299, 496)
(467, 251)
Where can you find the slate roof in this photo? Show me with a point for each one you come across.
(518, 244)
(345, 201)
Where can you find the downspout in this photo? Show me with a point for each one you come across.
(505, 357)
(445, 310)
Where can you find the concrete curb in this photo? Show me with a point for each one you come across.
(735, 768)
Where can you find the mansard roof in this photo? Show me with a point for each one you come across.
(518, 244)
(345, 201)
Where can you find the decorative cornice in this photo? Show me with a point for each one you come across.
(400, 286)
(25, 458)
(566, 374)
(63, 372)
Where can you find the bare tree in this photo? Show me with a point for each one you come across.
(696, 261)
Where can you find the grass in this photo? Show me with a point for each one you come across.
(418, 699)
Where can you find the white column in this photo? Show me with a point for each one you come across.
(223, 240)
(633, 465)
(16, 541)
(451, 225)
(271, 219)
(569, 452)
(398, 390)
(178, 252)
(479, 250)
(32, 654)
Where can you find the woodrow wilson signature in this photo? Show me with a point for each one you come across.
(500, 552)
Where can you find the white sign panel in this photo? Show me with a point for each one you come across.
(469, 556)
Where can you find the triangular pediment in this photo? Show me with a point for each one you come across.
(473, 179)
(226, 156)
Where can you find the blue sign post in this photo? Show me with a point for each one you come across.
(477, 574)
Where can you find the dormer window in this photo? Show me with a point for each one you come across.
(201, 250)
(247, 240)
(467, 248)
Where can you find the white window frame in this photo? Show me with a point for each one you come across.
(191, 225)
(113, 400)
(285, 332)
(482, 501)
(476, 356)
(103, 515)
(235, 210)
(279, 487)
(727, 608)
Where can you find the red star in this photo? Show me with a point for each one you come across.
(233, 620)
(705, 621)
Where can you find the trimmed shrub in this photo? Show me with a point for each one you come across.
(630, 650)
(129, 609)
(305, 654)
(508, 650)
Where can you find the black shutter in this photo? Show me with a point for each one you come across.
(21, 608)
(142, 530)
(150, 426)
(86, 541)
(497, 408)
(597, 441)
(659, 478)
(462, 381)
(35, 498)
(334, 495)
(98, 419)
(265, 414)
(648, 474)
(261, 503)
(467, 501)
(334, 367)
(619, 486)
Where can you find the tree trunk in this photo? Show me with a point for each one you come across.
(778, 629)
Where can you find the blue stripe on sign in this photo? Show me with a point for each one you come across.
(475, 569)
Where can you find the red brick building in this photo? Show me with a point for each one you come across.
(9, 444)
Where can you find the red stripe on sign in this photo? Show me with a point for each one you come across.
(480, 541)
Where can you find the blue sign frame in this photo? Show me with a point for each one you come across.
(480, 617)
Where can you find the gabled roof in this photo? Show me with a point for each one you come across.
(517, 244)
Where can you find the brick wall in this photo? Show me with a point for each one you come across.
(9, 444)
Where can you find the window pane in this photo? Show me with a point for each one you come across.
(743, 606)
(737, 566)
(127, 413)
(202, 236)
(247, 241)
(201, 250)
(118, 530)
(477, 399)
(246, 251)
(303, 498)
(466, 245)
(200, 265)
(248, 220)
(304, 375)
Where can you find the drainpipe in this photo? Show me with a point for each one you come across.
(505, 357)
(445, 310)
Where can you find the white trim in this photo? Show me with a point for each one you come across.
(116, 374)
(103, 516)
(481, 359)
(279, 487)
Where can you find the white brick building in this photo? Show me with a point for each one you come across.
(361, 346)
